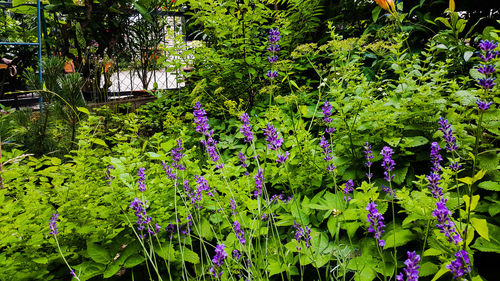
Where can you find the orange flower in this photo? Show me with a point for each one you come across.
(387, 5)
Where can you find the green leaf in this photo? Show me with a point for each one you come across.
(403, 236)
(468, 55)
(488, 161)
(376, 13)
(466, 180)
(98, 253)
(481, 226)
(427, 268)
(466, 98)
(414, 141)
(112, 269)
(486, 246)
(473, 202)
(83, 109)
(166, 252)
(432, 252)
(190, 256)
(490, 185)
(143, 12)
(133, 260)
(153, 155)
(275, 267)
(98, 141)
(440, 273)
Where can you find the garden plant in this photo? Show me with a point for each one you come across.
(359, 157)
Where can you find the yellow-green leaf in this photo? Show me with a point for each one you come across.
(452, 6)
(99, 142)
(466, 180)
(473, 202)
(440, 273)
(481, 226)
(83, 109)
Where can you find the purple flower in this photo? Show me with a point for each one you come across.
(488, 56)
(72, 272)
(461, 265)
(348, 187)
(236, 254)
(330, 130)
(203, 186)
(326, 149)
(486, 83)
(218, 259)
(455, 166)
(242, 158)
(301, 234)
(327, 111)
(169, 171)
(142, 180)
(259, 182)
(282, 158)
(448, 137)
(483, 105)
(376, 221)
(233, 206)
(239, 233)
(143, 219)
(442, 214)
(411, 270)
(436, 158)
(211, 150)
(274, 35)
(272, 59)
(246, 129)
(389, 191)
(273, 141)
(201, 119)
(53, 224)
(486, 69)
(368, 154)
(388, 164)
(177, 155)
(109, 177)
(434, 178)
(487, 46)
(272, 74)
(274, 48)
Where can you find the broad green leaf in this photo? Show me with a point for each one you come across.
(83, 109)
(167, 252)
(440, 273)
(98, 141)
(190, 256)
(112, 269)
(414, 141)
(98, 253)
(427, 268)
(466, 180)
(486, 246)
(490, 185)
(403, 236)
(432, 252)
(473, 202)
(481, 227)
(133, 260)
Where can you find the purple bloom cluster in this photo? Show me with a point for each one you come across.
(411, 270)
(53, 224)
(280, 198)
(483, 105)
(109, 177)
(449, 139)
(142, 180)
(259, 182)
(368, 156)
(327, 152)
(388, 164)
(327, 112)
(246, 128)
(201, 121)
(388, 190)
(143, 219)
(274, 48)
(302, 234)
(434, 178)
(169, 171)
(233, 206)
(243, 158)
(204, 186)
(236, 254)
(461, 265)
(445, 224)
(239, 233)
(376, 221)
(348, 187)
(273, 141)
(177, 155)
(218, 259)
(488, 53)
(197, 195)
(282, 157)
(436, 158)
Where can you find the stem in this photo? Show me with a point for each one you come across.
(65, 261)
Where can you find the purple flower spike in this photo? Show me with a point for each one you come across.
(330, 130)
(368, 154)
(483, 105)
(376, 221)
(259, 182)
(486, 83)
(236, 254)
(272, 74)
(239, 233)
(273, 141)
(487, 46)
(282, 158)
(274, 35)
(233, 206)
(53, 224)
(461, 265)
(449, 139)
(302, 234)
(246, 129)
(436, 158)
(72, 272)
(411, 270)
(143, 219)
(388, 164)
(348, 187)
(243, 159)
(272, 59)
(486, 69)
(327, 111)
(447, 227)
(142, 180)
(434, 178)
(488, 56)
(389, 191)
(218, 259)
(201, 119)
